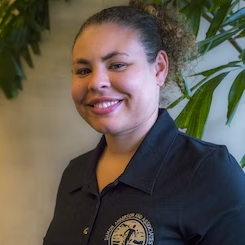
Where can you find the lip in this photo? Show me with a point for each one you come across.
(103, 110)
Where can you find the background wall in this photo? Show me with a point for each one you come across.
(40, 131)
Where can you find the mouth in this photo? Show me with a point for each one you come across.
(105, 104)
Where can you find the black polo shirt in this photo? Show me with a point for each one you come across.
(175, 190)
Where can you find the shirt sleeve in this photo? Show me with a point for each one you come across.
(229, 229)
(214, 208)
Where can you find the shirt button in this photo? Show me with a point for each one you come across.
(85, 231)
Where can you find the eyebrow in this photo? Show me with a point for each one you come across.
(104, 58)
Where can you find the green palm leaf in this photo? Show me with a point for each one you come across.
(242, 34)
(242, 163)
(219, 16)
(193, 11)
(194, 115)
(213, 41)
(235, 95)
(8, 77)
(240, 14)
(217, 4)
(242, 56)
(218, 68)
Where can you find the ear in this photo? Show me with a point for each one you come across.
(161, 67)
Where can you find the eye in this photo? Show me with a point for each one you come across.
(83, 71)
(118, 66)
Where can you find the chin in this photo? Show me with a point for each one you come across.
(103, 126)
(105, 129)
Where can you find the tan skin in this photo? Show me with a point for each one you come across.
(124, 77)
(107, 171)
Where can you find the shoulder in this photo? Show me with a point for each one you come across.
(76, 173)
(80, 162)
(87, 159)
(208, 171)
(195, 153)
(195, 145)
(215, 190)
(186, 153)
(209, 162)
(216, 182)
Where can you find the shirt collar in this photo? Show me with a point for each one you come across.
(146, 164)
(84, 173)
(144, 167)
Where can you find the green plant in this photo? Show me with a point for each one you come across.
(226, 23)
(243, 162)
(21, 25)
(22, 22)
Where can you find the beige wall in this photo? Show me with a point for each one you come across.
(40, 131)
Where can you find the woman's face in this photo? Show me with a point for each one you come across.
(114, 87)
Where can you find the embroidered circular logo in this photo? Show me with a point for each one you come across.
(130, 229)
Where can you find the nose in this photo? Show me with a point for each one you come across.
(99, 80)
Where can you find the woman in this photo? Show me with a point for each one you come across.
(145, 182)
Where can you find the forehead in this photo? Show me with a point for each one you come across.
(107, 37)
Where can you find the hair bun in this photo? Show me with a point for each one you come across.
(149, 8)
(136, 3)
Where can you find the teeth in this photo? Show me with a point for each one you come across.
(106, 104)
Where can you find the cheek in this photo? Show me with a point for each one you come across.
(128, 83)
(77, 92)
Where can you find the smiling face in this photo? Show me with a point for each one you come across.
(114, 87)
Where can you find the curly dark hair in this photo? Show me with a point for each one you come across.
(158, 29)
